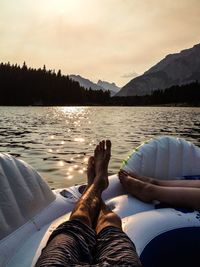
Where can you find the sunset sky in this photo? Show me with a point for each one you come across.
(98, 39)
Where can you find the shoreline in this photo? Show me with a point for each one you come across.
(110, 105)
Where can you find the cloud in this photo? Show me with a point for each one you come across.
(130, 75)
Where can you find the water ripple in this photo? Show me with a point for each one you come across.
(57, 141)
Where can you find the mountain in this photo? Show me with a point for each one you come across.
(109, 86)
(85, 82)
(174, 69)
(101, 85)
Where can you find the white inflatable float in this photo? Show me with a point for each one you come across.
(163, 236)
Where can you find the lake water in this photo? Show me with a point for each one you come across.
(57, 141)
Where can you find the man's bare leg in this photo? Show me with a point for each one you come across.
(64, 244)
(114, 247)
(186, 197)
(169, 183)
(88, 207)
(107, 218)
(178, 183)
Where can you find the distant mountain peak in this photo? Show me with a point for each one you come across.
(84, 82)
(100, 85)
(108, 86)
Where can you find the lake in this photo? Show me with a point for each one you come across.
(57, 141)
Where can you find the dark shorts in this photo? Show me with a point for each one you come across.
(76, 244)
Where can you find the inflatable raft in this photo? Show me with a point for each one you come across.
(163, 236)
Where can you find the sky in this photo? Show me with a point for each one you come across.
(111, 40)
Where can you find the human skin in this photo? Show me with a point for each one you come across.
(179, 193)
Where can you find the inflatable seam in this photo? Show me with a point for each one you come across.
(30, 221)
(12, 193)
(182, 157)
(10, 185)
(156, 161)
(169, 158)
(21, 173)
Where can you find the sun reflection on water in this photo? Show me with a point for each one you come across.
(71, 109)
(69, 177)
(66, 139)
(85, 159)
(79, 139)
(46, 137)
(61, 163)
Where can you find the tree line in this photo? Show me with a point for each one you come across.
(21, 85)
(188, 94)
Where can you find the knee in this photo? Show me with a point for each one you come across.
(81, 217)
(114, 218)
(110, 219)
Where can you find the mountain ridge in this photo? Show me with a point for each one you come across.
(100, 85)
(175, 69)
(109, 86)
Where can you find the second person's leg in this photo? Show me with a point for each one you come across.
(186, 197)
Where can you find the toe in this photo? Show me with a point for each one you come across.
(103, 145)
(124, 179)
(97, 149)
(90, 162)
(126, 173)
(122, 175)
(108, 147)
(108, 144)
(121, 172)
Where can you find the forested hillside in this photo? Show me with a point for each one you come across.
(28, 86)
(188, 94)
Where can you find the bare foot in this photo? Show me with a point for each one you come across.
(101, 158)
(139, 177)
(137, 188)
(90, 175)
